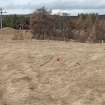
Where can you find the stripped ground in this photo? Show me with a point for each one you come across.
(51, 73)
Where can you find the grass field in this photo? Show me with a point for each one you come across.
(51, 73)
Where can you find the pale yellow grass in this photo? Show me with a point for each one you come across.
(51, 73)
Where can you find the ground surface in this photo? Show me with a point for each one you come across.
(8, 33)
(51, 73)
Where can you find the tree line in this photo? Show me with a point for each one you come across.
(83, 28)
(16, 21)
(45, 26)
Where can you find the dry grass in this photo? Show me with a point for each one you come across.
(13, 34)
(51, 73)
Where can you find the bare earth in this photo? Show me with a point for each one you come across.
(51, 73)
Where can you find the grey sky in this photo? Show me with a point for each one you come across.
(27, 6)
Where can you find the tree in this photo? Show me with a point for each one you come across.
(14, 21)
(86, 21)
(42, 23)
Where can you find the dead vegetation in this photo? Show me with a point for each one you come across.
(51, 73)
(13, 34)
(85, 28)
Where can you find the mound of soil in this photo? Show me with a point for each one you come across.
(13, 34)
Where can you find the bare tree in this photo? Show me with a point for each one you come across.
(42, 23)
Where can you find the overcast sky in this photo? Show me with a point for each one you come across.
(71, 6)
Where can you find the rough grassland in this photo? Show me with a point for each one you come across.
(51, 73)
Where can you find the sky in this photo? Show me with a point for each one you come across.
(72, 7)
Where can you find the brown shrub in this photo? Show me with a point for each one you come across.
(83, 36)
